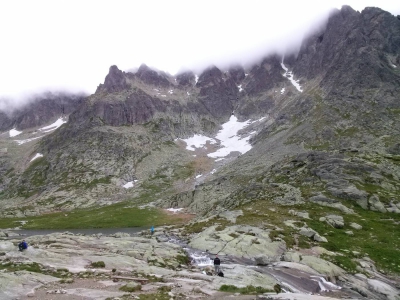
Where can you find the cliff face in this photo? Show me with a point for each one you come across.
(40, 111)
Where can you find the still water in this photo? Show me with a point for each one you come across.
(87, 231)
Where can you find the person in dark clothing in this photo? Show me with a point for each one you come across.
(217, 263)
(23, 246)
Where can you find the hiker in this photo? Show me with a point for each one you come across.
(217, 263)
(152, 230)
(22, 246)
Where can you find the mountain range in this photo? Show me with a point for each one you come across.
(319, 127)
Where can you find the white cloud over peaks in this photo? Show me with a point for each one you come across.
(73, 43)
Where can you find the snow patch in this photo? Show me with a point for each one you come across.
(171, 92)
(14, 132)
(229, 140)
(129, 184)
(196, 78)
(197, 141)
(240, 88)
(20, 142)
(53, 126)
(289, 75)
(213, 171)
(282, 91)
(188, 93)
(198, 176)
(36, 156)
(174, 210)
(227, 137)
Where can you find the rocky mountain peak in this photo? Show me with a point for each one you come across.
(185, 79)
(237, 74)
(41, 110)
(211, 75)
(152, 77)
(115, 81)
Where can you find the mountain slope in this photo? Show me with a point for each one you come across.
(323, 127)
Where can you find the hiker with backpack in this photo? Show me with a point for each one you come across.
(23, 246)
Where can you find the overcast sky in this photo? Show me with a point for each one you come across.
(70, 45)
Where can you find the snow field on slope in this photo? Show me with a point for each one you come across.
(53, 126)
(14, 132)
(289, 75)
(36, 156)
(228, 138)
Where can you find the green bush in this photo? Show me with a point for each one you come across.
(248, 290)
(98, 264)
(183, 259)
(130, 288)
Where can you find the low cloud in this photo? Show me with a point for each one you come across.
(70, 45)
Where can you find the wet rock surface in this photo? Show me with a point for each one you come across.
(68, 266)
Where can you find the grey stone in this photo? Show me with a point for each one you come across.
(350, 193)
(335, 221)
(355, 226)
(291, 256)
(263, 260)
(306, 231)
(231, 215)
(319, 238)
(300, 214)
(375, 204)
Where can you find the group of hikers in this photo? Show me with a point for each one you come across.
(23, 245)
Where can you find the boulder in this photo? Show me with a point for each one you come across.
(263, 260)
(335, 221)
(308, 232)
(300, 214)
(134, 286)
(350, 193)
(319, 238)
(325, 201)
(291, 256)
(322, 266)
(231, 215)
(375, 204)
(355, 226)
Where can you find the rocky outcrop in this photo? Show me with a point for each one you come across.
(217, 93)
(242, 241)
(40, 110)
(186, 79)
(115, 81)
(152, 77)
